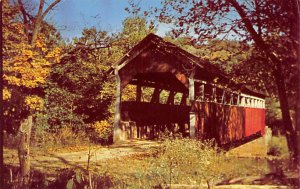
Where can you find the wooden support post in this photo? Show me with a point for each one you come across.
(192, 114)
(214, 95)
(119, 133)
(171, 98)
(183, 99)
(238, 100)
(138, 93)
(223, 101)
(155, 95)
(243, 101)
(231, 99)
(191, 89)
(202, 95)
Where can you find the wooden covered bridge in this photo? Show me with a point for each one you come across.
(202, 101)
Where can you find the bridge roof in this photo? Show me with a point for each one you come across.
(154, 55)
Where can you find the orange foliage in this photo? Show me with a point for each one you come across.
(24, 65)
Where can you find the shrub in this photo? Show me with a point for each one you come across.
(63, 137)
(278, 146)
(187, 161)
(10, 140)
(101, 132)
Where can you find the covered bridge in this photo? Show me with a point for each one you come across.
(202, 101)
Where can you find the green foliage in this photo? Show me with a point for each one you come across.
(60, 109)
(278, 146)
(273, 115)
(226, 54)
(73, 94)
(134, 30)
(129, 93)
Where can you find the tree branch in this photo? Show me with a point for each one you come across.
(24, 13)
(40, 12)
(256, 37)
(50, 7)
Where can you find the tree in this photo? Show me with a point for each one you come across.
(271, 27)
(33, 23)
(26, 64)
(226, 54)
(81, 75)
(134, 30)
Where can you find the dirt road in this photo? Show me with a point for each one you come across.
(47, 161)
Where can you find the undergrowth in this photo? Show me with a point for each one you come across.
(175, 161)
(278, 146)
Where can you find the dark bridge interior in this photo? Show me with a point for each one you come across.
(149, 118)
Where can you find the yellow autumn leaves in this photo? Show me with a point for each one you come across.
(34, 102)
(102, 128)
(6, 93)
(28, 65)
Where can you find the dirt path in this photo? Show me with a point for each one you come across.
(47, 161)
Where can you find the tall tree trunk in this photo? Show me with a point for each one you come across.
(297, 125)
(26, 124)
(24, 150)
(296, 32)
(290, 132)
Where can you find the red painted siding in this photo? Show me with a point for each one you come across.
(227, 123)
(254, 121)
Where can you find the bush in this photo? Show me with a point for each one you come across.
(187, 161)
(63, 137)
(10, 140)
(278, 146)
(101, 132)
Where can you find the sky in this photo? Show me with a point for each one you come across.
(71, 16)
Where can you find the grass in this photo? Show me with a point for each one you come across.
(278, 147)
(180, 161)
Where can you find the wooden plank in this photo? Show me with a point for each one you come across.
(191, 100)
(183, 99)
(192, 125)
(223, 101)
(155, 95)
(130, 57)
(191, 89)
(214, 94)
(231, 99)
(171, 98)
(202, 90)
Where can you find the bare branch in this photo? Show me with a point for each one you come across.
(40, 12)
(24, 13)
(50, 7)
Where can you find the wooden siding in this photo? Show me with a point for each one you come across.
(226, 123)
